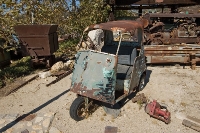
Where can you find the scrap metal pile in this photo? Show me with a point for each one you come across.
(173, 33)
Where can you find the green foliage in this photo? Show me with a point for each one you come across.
(50, 12)
(70, 18)
(16, 69)
(29, 12)
(67, 48)
(89, 12)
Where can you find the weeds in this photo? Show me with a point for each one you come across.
(18, 68)
(67, 48)
(140, 104)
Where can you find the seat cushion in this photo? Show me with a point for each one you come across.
(126, 54)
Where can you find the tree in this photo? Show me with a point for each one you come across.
(72, 19)
(29, 12)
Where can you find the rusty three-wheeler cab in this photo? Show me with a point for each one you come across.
(110, 64)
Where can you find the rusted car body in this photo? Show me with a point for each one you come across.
(117, 69)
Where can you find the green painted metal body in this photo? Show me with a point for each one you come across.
(94, 77)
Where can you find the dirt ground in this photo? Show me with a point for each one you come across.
(175, 87)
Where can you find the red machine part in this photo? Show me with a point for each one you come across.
(157, 111)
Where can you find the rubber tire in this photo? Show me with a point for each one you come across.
(139, 88)
(74, 107)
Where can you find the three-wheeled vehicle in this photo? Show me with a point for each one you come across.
(110, 64)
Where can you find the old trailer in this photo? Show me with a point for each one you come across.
(39, 42)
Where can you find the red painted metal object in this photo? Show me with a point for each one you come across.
(157, 111)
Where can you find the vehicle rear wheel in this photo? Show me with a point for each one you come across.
(141, 83)
(77, 109)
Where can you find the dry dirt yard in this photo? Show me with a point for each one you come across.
(177, 88)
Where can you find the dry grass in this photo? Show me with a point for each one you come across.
(104, 114)
(102, 119)
(171, 101)
(183, 104)
(163, 101)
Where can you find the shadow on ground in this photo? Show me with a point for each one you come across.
(11, 124)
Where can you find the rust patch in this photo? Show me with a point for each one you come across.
(123, 25)
(94, 93)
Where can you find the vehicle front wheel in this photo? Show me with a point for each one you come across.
(77, 109)
(141, 83)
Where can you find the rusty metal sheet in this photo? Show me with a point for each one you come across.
(38, 40)
(94, 75)
(23, 30)
(174, 15)
(123, 25)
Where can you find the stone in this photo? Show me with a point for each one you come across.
(36, 127)
(2, 121)
(44, 74)
(38, 119)
(19, 125)
(109, 129)
(10, 130)
(40, 131)
(50, 114)
(33, 132)
(25, 131)
(54, 130)
(46, 122)
(57, 66)
(29, 124)
(11, 116)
